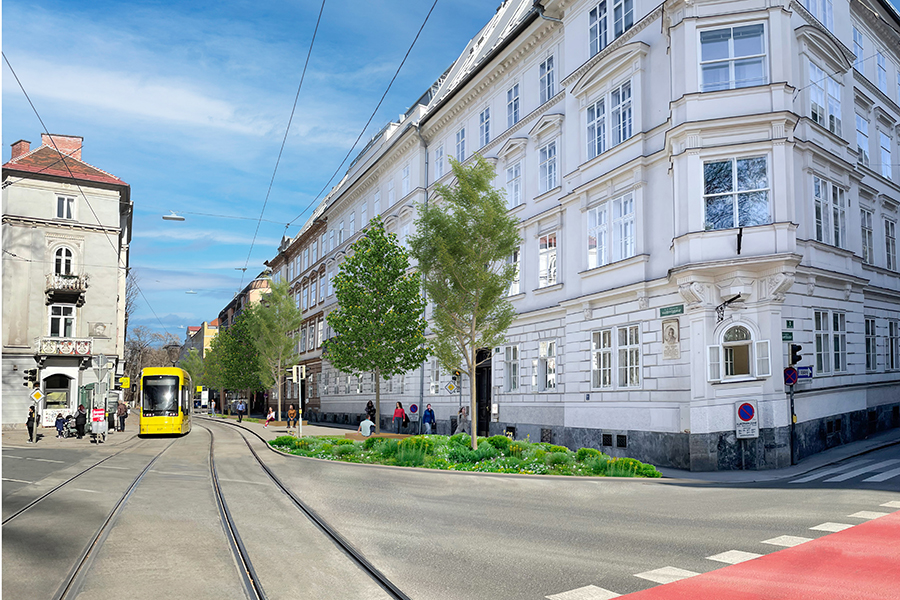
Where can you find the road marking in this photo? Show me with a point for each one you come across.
(868, 514)
(733, 557)
(832, 527)
(666, 575)
(860, 471)
(852, 465)
(88, 491)
(16, 480)
(788, 541)
(112, 467)
(588, 592)
(62, 462)
(883, 476)
(892, 504)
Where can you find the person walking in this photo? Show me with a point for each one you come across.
(60, 426)
(80, 420)
(462, 420)
(370, 410)
(428, 419)
(399, 417)
(122, 413)
(270, 417)
(29, 423)
(241, 410)
(292, 416)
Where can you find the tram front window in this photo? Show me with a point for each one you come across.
(160, 396)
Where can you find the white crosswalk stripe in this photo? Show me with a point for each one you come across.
(832, 527)
(666, 575)
(882, 476)
(733, 557)
(868, 514)
(826, 472)
(892, 504)
(788, 541)
(867, 469)
(588, 592)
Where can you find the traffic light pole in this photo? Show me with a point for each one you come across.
(793, 421)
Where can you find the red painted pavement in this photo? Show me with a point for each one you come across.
(859, 563)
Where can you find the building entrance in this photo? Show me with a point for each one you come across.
(483, 390)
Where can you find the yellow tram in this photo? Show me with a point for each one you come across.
(165, 401)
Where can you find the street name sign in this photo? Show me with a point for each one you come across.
(669, 311)
(805, 372)
(787, 336)
(746, 419)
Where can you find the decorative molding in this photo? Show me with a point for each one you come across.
(810, 285)
(694, 293)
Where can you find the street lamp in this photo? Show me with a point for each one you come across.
(172, 217)
(172, 351)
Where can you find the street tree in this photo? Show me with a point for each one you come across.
(379, 324)
(236, 355)
(276, 319)
(194, 364)
(463, 244)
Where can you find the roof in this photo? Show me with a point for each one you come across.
(213, 323)
(193, 329)
(47, 161)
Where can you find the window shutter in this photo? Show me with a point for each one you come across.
(763, 367)
(714, 354)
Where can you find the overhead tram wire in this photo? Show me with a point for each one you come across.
(283, 142)
(366, 126)
(81, 191)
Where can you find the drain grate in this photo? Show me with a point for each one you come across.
(621, 441)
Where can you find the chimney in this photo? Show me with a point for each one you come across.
(19, 148)
(69, 145)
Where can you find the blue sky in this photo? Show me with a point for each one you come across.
(188, 103)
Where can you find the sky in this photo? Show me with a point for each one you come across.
(189, 102)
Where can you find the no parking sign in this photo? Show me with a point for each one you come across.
(746, 419)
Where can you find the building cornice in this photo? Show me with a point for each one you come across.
(23, 221)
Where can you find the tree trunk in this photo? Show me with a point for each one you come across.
(377, 401)
(473, 415)
(278, 382)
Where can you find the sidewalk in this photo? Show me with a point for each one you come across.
(18, 438)
(811, 463)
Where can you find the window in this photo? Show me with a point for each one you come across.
(290, 271)
(512, 105)
(858, 49)
(871, 352)
(376, 203)
(514, 185)
(868, 249)
(306, 255)
(330, 286)
(547, 260)
(511, 368)
(313, 298)
(601, 359)
(65, 208)
(547, 367)
(311, 339)
(622, 19)
(546, 81)
(461, 145)
(319, 329)
(893, 346)
(885, 155)
(733, 57)
(742, 357)
(839, 341)
(364, 215)
(302, 347)
(62, 320)
(890, 245)
(825, 99)
(314, 250)
(331, 240)
(596, 128)
(831, 214)
(629, 356)
(828, 342)
(434, 385)
(341, 233)
(63, 262)
(439, 162)
(352, 225)
(548, 177)
(822, 10)
(404, 181)
(862, 140)
(598, 27)
(618, 103)
(621, 231)
(623, 16)
(882, 71)
(736, 193)
(515, 259)
(484, 127)
(304, 298)
(404, 236)
(390, 198)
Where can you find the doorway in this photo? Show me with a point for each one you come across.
(483, 390)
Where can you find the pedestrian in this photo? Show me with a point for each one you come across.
(122, 413)
(212, 406)
(428, 419)
(462, 421)
(241, 410)
(270, 417)
(29, 423)
(80, 420)
(400, 417)
(292, 416)
(366, 427)
(370, 410)
(60, 426)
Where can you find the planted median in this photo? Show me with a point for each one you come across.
(497, 454)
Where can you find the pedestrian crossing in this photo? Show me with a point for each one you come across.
(877, 472)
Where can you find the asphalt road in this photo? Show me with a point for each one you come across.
(434, 534)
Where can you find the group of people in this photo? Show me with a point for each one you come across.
(292, 417)
(80, 421)
(401, 419)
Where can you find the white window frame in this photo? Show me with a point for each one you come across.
(320, 327)
(732, 59)
(352, 228)
(614, 108)
(65, 208)
(404, 181)
(628, 347)
(866, 223)
(511, 368)
(881, 71)
(824, 99)
(885, 143)
(314, 252)
(547, 367)
(759, 357)
(305, 258)
(514, 185)
(611, 231)
(892, 349)
(830, 212)
(330, 283)
(602, 352)
(871, 345)
(313, 293)
(512, 105)
(364, 215)
(376, 203)
(331, 240)
(63, 261)
(623, 16)
(546, 80)
(434, 378)
(484, 127)
(340, 239)
(515, 259)
(862, 139)
(390, 193)
(302, 346)
(461, 145)
(549, 169)
(547, 259)
(735, 193)
(65, 317)
(822, 329)
(304, 297)
(890, 245)
(823, 11)
(859, 50)
(439, 162)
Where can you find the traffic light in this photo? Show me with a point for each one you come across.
(796, 357)
(455, 377)
(30, 378)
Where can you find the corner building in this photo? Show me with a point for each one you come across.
(699, 184)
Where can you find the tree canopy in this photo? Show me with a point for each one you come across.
(275, 320)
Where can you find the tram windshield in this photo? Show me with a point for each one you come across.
(160, 395)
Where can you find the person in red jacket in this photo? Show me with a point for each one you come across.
(399, 417)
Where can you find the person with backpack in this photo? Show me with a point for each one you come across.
(80, 420)
(122, 413)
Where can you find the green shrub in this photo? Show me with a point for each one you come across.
(623, 467)
(597, 464)
(409, 455)
(370, 443)
(500, 442)
(518, 449)
(461, 439)
(426, 443)
(437, 463)
(558, 449)
(585, 453)
(461, 454)
(303, 444)
(284, 440)
(388, 447)
(343, 442)
(648, 471)
(343, 449)
(485, 452)
(558, 458)
(536, 453)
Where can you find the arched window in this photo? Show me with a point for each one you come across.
(740, 355)
(63, 263)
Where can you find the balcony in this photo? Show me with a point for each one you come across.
(66, 289)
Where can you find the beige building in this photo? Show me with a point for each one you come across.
(200, 338)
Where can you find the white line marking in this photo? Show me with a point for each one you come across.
(789, 541)
(16, 480)
(840, 469)
(88, 491)
(666, 575)
(892, 504)
(62, 462)
(831, 527)
(868, 514)
(883, 476)
(733, 557)
(868, 469)
(588, 592)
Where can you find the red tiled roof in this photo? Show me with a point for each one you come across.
(214, 323)
(193, 329)
(48, 161)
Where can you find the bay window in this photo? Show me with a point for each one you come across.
(733, 57)
(736, 193)
(825, 99)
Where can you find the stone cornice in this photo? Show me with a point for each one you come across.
(23, 221)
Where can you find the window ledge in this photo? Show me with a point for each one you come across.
(625, 262)
(547, 194)
(549, 288)
(740, 380)
(516, 296)
(516, 209)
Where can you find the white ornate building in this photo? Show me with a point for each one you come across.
(699, 184)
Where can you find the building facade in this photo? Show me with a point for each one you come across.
(66, 231)
(199, 338)
(699, 185)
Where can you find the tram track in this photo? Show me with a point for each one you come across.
(320, 523)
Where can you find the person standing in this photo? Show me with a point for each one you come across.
(29, 423)
(292, 416)
(60, 426)
(428, 419)
(122, 413)
(80, 420)
(399, 417)
(462, 420)
(241, 409)
(270, 417)
(370, 410)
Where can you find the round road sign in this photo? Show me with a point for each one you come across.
(413, 408)
(745, 411)
(790, 376)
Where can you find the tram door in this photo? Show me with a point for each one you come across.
(483, 390)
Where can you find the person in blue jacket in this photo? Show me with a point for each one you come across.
(428, 420)
(60, 425)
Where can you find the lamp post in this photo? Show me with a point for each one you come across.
(173, 350)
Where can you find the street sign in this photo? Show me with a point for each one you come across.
(805, 372)
(36, 395)
(790, 376)
(787, 336)
(413, 412)
(669, 311)
(98, 414)
(125, 382)
(451, 387)
(747, 419)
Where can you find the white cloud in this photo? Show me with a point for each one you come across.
(213, 236)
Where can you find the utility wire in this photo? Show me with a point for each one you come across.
(283, 142)
(366, 126)
(83, 195)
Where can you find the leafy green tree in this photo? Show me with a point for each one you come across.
(379, 324)
(276, 318)
(193, 363)
(463, 244)
(236, 355)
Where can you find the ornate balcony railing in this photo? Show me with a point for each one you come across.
(66, 288)
(64, 346)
